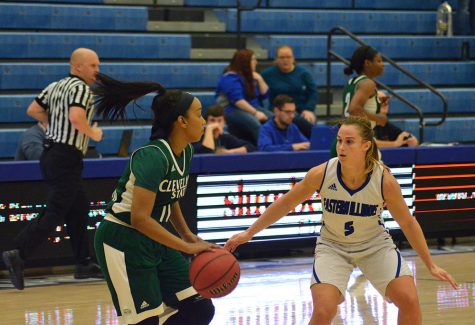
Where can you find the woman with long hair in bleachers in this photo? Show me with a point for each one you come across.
(240, 91)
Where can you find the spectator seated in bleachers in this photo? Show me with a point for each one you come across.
(280, 133)
(31, 142)
(287, 78)
(215, 138)
(241, 91)
(389, 135)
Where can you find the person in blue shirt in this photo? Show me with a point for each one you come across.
(240, 91)
(280, 133)
(288, 78)
(31, 142)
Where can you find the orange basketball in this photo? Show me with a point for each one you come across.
(214, 274)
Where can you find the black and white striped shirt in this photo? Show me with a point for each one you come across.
(56, 99)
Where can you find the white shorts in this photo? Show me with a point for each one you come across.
(378, 259)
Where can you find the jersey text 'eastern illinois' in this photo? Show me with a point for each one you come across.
(351, 216)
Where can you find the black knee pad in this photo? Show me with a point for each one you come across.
(194, 310)
(205, 309)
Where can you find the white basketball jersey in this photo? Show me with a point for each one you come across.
(351, 216)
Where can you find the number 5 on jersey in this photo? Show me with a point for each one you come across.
(349, 229)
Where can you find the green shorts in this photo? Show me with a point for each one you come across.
(143, 276)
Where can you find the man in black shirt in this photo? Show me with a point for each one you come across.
(389, 135)
(215, 139)
(66, 106)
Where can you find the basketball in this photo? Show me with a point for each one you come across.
(215, 273)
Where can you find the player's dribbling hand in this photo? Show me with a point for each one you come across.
(192, 238)
(443, 275)
(236, 240)
(200, 246)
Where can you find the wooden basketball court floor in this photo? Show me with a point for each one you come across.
(270, 292)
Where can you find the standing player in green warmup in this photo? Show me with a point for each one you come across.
(141, 260)
(360, 95)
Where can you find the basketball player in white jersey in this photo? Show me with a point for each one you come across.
(354, 187)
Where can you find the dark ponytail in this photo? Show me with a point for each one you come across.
(358, 58)
(113, 96)
(348, 70)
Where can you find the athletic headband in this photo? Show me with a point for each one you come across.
(184, 103)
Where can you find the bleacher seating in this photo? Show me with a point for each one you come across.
(39, 35)
(13, 107)
(112, 136)
(42, 45)
(335, 4)
(205, 75)
(310, 4)
(453, 130)
(173, 75)
(319, 21)
(9, 141)
(72, 17)
(415, 48)
(69, 1)
(36, 45)
(461, 101)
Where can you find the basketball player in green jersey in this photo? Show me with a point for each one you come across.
(354, 188)
(142, 261)
(360, 95)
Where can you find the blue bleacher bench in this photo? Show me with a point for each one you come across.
(396, 47)
(32, 45)
(72, 17)
(13, 107)
(321, 21)
(186, 75)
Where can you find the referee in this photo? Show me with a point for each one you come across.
(67, 106)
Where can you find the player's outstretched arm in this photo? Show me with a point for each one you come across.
(302, 190)
(410, 227)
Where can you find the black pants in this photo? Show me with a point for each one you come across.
(304, 126)
(389, 132)
(61, 166)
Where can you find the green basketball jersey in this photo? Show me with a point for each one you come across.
(372, 105)
(155, 168)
